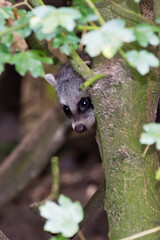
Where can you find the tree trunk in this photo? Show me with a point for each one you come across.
(123, 102)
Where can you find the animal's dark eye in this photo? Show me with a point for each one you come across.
(84, 104)
(67, 111)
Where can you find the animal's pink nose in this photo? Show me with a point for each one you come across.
(80, 128)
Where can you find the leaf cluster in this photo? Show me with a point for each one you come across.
(61, 27)
(110, 38)
(20, 23)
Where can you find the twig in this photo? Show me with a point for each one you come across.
(29, 158)
(94, 204)
(88, 28)
(90, 81)
(129, 11)
(123, 55)
(13, 28)
(54, 187)
(79, 65)
(82, 35)
(81, 236)
(142, 234)
(93, 7)
(55, 176)
(23, 3)
(145, 151)
(36, 3)
(2, 236)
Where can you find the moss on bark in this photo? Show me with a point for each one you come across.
(123, 102)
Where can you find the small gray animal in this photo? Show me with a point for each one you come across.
(76, 104)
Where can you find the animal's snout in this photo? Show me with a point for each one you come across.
(80, 128)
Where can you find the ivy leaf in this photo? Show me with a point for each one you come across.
(94, 41)
(45, 15)
(108, 39)
(41, 36)
(142, 60)
(4, 53)
(145, 34)
(64, 42)
(151, 134)
(30, 61)
(63, 218)
(6, 39)
(87, 13)
(4, 56)
(24, 19)
(5, 13)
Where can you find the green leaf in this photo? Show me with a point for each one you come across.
(59, 237)
(94, 41)
(137, 1)
(145, 34)
(157, 175)
(4, 53)
(64, 42)
(7, 40)
(86, 12)
(63, 218)
(142, 60)
(108, 39)
(5, 13)
(1, 68)
(25, 18)
(4, 56)
(30, 61)
(47, 18)
(151, 134)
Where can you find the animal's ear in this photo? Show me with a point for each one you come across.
(51, 79)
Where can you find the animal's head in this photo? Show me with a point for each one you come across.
(76, 104)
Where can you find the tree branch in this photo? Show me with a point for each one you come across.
(36, 3)
(156, 9)
(2, 236)
(54, 187)
(93, 204)
(32, 154)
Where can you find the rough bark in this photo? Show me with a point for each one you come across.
(29, 158)
(123, 103)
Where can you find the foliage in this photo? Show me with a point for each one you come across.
(30, 60)
(107, 39)
(59, 237)
(142, 60)
(44, 15)
(87, 14)
(63, 218)
(151, 134)
(145, 34)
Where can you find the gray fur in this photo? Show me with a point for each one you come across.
(66, 84)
